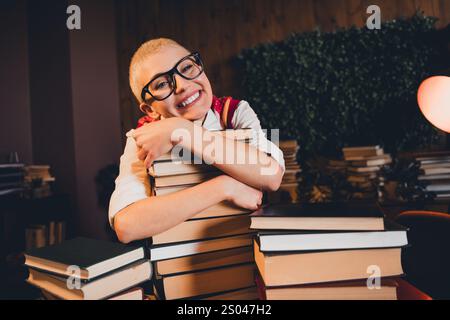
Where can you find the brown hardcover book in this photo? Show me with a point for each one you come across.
(347, 290)
(359, 153)
(327, 266)
(184, 179)
(171, 168)
(373, 161)
(205, 282)
(317, 217)
(241, 294)
(205, 261)
(363, 169)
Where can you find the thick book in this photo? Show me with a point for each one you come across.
(347, 290)
(102, 288)
(372, 161)
(240, 294)
(433, 177)
(438, 187)
(194, 284)
(132, 294)
(93, 257)
(361, 178)
(183, 179)
(171, 168)
(393, 236)
(178, 250)
(204, 261)
(435, 171)
(298, 268)
(363, 169)
(435, 165)
(359, 153)
(204, 229)
(318, 217)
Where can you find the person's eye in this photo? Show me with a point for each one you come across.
(161, 85)
(187, 68)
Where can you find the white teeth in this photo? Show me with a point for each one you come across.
(190, 99)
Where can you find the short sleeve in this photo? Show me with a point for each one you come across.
(244, 117)
(132, 183)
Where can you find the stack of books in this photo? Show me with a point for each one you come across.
(288, 190)
(39, 179)
(434, 175)
(41, 235)
(11, 178)
(208, 256)
(326, 251)
(86, 269)
(363, 171)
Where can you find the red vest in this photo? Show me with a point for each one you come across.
(225, 107)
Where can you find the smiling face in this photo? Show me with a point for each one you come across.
(191, 99)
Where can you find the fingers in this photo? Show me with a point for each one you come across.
(141, 154)
(149, 160)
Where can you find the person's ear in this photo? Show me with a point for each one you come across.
(148, 110)
(145, 108)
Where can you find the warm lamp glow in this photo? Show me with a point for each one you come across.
(434, 101)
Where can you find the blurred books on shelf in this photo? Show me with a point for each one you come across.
(288, 191)
(361, 167)
(11, 178)
(38, 180)
(87, 269)
(326, 251)
(434, 175)
(41, 235)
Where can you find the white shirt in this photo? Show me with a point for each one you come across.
(133, 183)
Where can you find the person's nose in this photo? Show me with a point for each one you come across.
(181, 84)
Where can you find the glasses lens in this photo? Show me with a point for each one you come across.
(190, 68)
(161, 87)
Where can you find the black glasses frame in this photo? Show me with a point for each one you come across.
(171, 73)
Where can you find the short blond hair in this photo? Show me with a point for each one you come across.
(146, 49)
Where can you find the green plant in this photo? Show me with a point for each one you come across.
(346, 88)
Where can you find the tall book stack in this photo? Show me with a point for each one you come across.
(434, 175)
(209, 256)
(363, 171)
(39, 179)
(11, 178)
(326, 252)
(288, 191)
(86, 269)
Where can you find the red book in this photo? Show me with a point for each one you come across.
(407, 291)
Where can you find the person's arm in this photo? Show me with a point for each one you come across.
(158, 138)
(263, 173)
(156, 214)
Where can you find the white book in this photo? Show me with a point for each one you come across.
(314, 241)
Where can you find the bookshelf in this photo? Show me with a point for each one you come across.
(16, 214)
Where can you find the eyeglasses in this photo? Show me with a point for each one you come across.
(164, 84)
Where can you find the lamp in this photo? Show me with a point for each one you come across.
(434, 101)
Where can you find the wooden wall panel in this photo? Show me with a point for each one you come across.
(220, 29)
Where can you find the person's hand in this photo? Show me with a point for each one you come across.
(241, 194)
(156, 138)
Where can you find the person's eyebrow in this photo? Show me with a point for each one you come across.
(157, 75)
(164, 72)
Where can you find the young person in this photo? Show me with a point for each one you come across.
(175, 94)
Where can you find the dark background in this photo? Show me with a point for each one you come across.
(64, 95)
